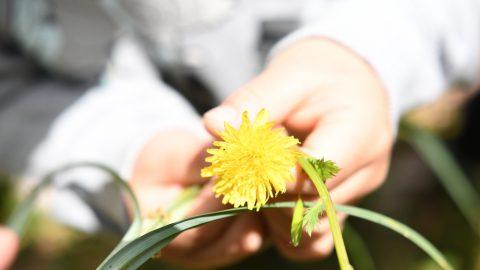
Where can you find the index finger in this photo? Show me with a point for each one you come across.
(9, 245)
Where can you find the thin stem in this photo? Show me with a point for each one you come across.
(21, 214)
(331, 214)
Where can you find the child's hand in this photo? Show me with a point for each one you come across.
(330, 99)
(9, 245)
(168, 164)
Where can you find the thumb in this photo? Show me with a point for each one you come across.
(273, 90)
(9, 245)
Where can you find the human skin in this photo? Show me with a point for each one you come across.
(323, 94)
(9, 245)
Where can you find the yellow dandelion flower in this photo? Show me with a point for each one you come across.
(252, 163)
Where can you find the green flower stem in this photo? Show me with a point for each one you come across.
(331, 214)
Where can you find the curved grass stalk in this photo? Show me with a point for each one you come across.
(433, 151)
(401, 229)
(140, 250)
(21, 214)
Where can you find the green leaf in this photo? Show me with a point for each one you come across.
(326, 169)
(318, 180)
(401, 229)
(138, 251)
(297, 222)
(311, 217)
(434, 152)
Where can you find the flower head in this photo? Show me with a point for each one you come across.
(251, 164)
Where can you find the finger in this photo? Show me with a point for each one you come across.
(311, 247)
(367, 179)
(279, 223)
(270, 90)
(337, 138)
(243, 238)
(9, 245)
(317, 248)
(362, 183)
(290, 77)
(351, 190)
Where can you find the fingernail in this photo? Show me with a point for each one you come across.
(217, 117)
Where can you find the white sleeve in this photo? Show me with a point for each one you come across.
(417, 47)
(109, 125)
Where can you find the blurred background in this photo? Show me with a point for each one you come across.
(52, 52)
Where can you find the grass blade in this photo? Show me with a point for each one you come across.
(138, 251)
(434, 152)
(21, 214)
(400, 228)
